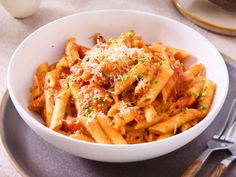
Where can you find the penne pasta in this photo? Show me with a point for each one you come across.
(114, 109)
(82, 137)
(59, 110)
(108, 128)
(35, 91)
(185, 127)
(175, 122)
(166, 91)
(95, 130)
(49, 107)
(37, 105)
(151, 114)
(71, 52)
(179, 54)
(74, 92)
(38, 81)
(63, 63)
(157, 85)
(193, 71)
(51, 78)
(146, 79)
(130, 78)
(206, 97)
(121, 91)
(42, 70)
(164, 136)
(188, 100)
(157, 47)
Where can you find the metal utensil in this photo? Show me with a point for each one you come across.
(222, 166)
(223, 139)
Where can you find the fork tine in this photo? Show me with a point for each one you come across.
(230, 127)
(231, 135)
(228, 121)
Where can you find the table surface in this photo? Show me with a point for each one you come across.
(13, 31)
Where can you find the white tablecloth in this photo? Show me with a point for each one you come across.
(13, 31)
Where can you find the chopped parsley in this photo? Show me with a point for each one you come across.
(74, 76)
(200, 99)
(162, 110)
(107, 94)
(185, 109)
(104, 100)
(156, 81)
(79, 79)
(66, 91)
(197, 95)
(140, 76)
(203, 94)
(127, 77)
(130, 33)
(118, 78)
(96, 98)
(141, 59)
(201, 108)
(100, 105)
(163, 62)
(150, 81)
(95, 117)
(205, 88)
(71, 84)
(88, 111)
(134, 68)
(72, 100)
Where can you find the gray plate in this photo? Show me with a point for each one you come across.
(32, 156)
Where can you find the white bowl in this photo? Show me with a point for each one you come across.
(47, 44)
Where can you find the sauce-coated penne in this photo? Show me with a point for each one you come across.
(121, 91)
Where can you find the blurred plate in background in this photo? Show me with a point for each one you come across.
(208, 15)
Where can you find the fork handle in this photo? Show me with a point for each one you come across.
(222, 166)
(218, 171)
(196, 165)
(193, 168)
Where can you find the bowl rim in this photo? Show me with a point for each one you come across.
(23, 112)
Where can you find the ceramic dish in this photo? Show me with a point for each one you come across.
(226, 4)
(47, 43)
(208, 15)
(33, 157)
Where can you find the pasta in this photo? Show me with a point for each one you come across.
(121, 91)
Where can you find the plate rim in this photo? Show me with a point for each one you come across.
(203, 23)
(3, 143)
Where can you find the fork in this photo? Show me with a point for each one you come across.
(222, 166)
(223, 139)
